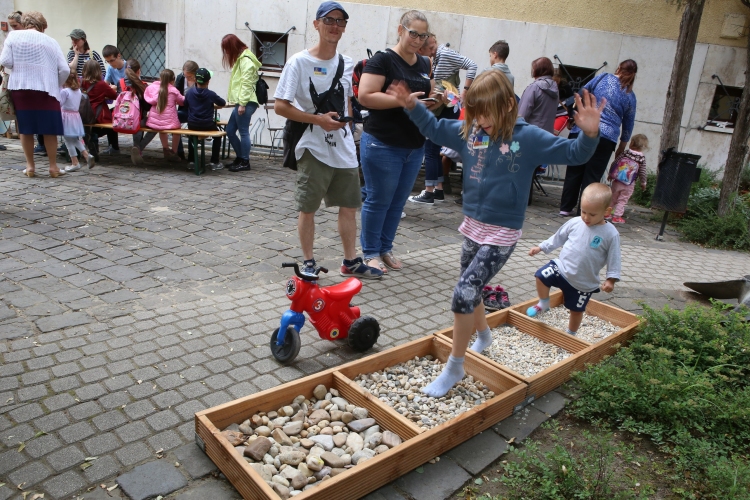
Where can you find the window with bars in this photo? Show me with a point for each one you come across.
(577, 76)
(725, 107)
(270, 48)
(144, 41)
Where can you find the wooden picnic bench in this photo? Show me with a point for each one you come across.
(197, 137)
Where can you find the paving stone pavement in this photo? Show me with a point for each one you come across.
(132, 297)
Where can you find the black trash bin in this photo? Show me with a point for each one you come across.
(677, 171)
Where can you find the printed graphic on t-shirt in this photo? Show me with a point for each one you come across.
(481, 142)
(319, 71)
(596, 242)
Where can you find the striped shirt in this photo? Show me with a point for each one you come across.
(448, 62)
(82, 58)
(489, 234)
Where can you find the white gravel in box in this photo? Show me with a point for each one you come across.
(593, 328)
(399, 387)
(521, 352)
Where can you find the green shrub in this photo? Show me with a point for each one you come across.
(643, 197)
(584, 471)
(703, 225)
(684, 382)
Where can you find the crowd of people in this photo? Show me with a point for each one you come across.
(50, 92)
(413, 118)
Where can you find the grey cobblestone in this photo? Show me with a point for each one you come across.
(76, 432)
(214, 332)
(64, 484)
(67, 457)
(30, 474)
(133, 431)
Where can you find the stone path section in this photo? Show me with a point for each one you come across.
(130, 298)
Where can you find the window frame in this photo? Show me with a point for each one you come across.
(141, 25)
(723, 92)
(269, 37)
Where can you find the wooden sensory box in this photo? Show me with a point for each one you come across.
(418, 445)
(582, 352)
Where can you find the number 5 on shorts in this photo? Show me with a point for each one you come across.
(581, 299)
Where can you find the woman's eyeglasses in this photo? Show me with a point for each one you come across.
(416, 34)
(340, 22)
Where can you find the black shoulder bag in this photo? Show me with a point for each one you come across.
(330, 100)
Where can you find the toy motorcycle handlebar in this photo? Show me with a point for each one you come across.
(299, 274)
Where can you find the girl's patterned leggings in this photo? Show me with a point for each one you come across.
(479, 264)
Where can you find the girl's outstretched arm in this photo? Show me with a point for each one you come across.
(444, 132)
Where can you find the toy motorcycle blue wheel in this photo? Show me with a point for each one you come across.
(289, 349)
(363, 333)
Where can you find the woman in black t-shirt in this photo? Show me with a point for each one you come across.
(391, 145)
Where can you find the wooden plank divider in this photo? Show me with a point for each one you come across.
(386, 416)
(418, 445)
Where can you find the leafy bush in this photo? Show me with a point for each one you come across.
(703, 225)
(585, 470)
(685, 382)
(643, 197)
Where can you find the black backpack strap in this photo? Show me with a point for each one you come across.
(334, 83)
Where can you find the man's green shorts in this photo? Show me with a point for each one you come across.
(316, 181)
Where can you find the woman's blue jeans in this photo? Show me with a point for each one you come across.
(433, 163)
(241, 123)
(389, 173)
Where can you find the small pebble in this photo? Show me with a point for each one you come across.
(592, 329)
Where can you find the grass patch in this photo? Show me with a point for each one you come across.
(683, 382)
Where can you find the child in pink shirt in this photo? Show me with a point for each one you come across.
(623, 172)
(164, 98)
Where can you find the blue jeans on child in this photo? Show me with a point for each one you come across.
(389, 173)
(433, 163)
(241, 123)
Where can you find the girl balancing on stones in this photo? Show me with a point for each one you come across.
(500, 152)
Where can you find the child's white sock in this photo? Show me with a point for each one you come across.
(483, 341)
(571, 332)
(451, 375)
(540, 307)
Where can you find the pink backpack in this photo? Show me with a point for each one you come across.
(126, 115)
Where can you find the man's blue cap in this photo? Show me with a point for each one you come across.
(327, 7)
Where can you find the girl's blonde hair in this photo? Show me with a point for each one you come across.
(165, 78)
(491, 96)
(638, 142)
(72, 81)
(15, 16)
(92, 73)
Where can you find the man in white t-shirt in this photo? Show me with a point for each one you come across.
(327, 166)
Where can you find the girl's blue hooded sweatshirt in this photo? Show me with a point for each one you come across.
(497, 178)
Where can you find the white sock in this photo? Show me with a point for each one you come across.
(571, 332)
(483, 341)
(540, 307)
(451, 375)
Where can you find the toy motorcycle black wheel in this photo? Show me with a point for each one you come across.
(289, 350)
(363, 333)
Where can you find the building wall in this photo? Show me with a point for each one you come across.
(63, 16)
(593, 32)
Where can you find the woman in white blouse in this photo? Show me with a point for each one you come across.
(38, 70)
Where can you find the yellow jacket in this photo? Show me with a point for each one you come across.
(243, 80)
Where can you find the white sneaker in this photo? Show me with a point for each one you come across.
(91, 162)
(403, 214)
(215, 166)
(73, 168)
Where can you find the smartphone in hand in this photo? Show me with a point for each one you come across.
(344, 119)
(428, 99)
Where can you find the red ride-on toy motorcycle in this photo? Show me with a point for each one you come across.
(330, 312)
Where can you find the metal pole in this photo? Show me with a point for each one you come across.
(660, 236)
